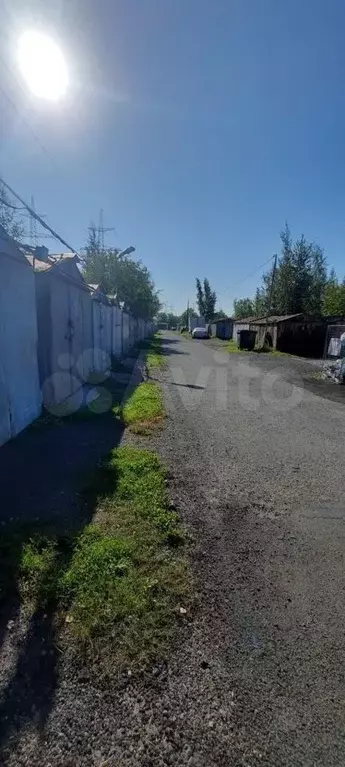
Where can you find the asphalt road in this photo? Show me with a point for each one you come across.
(255, 676)
(257, 464)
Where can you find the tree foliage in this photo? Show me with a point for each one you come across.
(206, 299)
(300, 281)
(121, 276)
(219, 315)
(191, 313)
(170, 318)
(200, 298)
(243, 307)
(334, 296)
(9, 218)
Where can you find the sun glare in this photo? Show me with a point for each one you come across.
(42, 65)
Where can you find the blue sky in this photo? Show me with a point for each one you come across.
(199, 127)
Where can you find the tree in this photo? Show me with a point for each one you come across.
(219, 315)
(260, 302)
(334, 296)
(184, 316)
(300, 279)
(130, 281)
(206, 299)
(200, 299)
(210, 299)
(319, 280)
(171, 319)
(9, 218)
(243, 307)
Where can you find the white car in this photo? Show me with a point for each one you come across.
(200, 333)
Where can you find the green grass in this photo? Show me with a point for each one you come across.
(143, 411)
(154, 353)
(140, 481)
(118, 585)
(127, 577)
(231, 348)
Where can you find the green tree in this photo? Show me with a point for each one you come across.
(206, 299)
(334, 296)
(200, 298)
(318, 280)
(130, 281)
(210, 298)
(184, 316)
(219, 315)
(260, 302)
(171, 319)
(300, 278)
(243, 307)
(9, 218)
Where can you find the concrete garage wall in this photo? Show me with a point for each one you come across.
(20, 396)
(53, 335)
(239, 325)
(116, 347)
(65, 340)
(77, 334)
(125, 333)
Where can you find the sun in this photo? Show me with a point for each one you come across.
(43, 66)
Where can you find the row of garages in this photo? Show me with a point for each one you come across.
(292, 333)
(55, 330)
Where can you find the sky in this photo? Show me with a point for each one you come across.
(198, 126)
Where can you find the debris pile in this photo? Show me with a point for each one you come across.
(334, 370)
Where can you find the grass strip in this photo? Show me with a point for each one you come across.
(119, 584)
(231, 347)
(143, 411)
(154, 355)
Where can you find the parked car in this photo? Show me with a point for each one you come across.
(200, 333)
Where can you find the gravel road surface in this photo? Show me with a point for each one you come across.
(257, 678)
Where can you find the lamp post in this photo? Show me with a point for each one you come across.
(126, 251)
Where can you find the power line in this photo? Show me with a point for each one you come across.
(249, 275)
(25, 121)
(8, 205)
(38, 218)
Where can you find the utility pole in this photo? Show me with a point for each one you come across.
(188, 315)
(33, 228)
(33, 224)
(269, 302)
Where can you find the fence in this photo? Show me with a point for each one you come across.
(53, 335)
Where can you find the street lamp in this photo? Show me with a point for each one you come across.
(126, 251)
